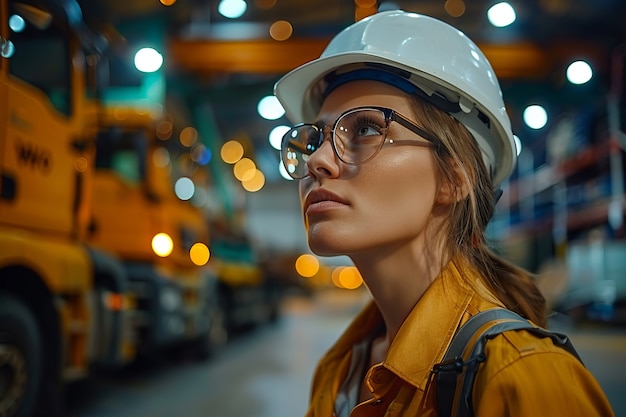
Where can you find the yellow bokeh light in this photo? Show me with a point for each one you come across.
(307, 265)
(164, 129)
(199, 254)
(281, 30)
(231, 151)
(350, 278)
(455, 8)
(167, 2)
(188, 136)
(244, 169)
(363, 12)
(334, 276)
(161, 157)
(255, 183)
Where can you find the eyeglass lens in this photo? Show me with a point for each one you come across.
(357, 136)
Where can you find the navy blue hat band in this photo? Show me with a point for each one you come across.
(373, 75)
(402, 83)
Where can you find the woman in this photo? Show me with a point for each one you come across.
(399, 172)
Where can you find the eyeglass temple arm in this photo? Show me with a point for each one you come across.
(415, 129)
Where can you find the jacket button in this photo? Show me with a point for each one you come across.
(381, 377)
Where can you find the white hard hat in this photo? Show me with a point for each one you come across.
(439, 59)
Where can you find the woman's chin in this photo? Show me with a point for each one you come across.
(331, 246)
(325, 248)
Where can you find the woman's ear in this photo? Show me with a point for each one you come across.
(454, 188)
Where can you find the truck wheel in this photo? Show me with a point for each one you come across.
(20, 358)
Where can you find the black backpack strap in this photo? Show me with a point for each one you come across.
(458, 363)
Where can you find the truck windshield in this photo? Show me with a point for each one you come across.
(41, 58)
(122, 152)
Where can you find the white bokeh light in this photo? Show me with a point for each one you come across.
(232, 9)
(501, 14)
(148, 60)
(270, 108)
(276, 136)
(283, 171)
(535, 116)
(579, 72)
(184, 188)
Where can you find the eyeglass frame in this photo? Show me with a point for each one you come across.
(390, 116)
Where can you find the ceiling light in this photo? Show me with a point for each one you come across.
(232, 9)
(276, 136)
(17, 23)
(535, 116)
(270, 108)
(283, 171)
(281, 30)
(148, 60)
(501, 14)
(579, 72)
(184, 188)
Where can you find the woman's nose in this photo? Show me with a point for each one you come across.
(324, 161)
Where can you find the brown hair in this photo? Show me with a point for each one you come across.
(469, 217)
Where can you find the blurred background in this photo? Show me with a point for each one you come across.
(152, 252)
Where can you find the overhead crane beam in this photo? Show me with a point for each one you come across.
(266, 56)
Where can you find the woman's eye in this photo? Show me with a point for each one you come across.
(367, 131)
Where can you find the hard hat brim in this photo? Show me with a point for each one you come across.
(300, 93)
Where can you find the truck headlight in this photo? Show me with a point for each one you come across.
(162, 244)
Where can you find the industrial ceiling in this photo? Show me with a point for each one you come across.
(233, 63)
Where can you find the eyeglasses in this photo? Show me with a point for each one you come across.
(357, 136)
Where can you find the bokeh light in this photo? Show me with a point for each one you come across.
(270, 108)
(231, 151)
(276, 136)
(281, 30)
(244, 169)
(162, 244)
(579, 72)
(184, 188)
(535, 116)
(232, 9)
(148, 60)
(501, 14)
(188, 136)
(350, 278)
(307, 265)
(199, 254)
(255, 182)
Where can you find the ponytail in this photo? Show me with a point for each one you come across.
(512, 285)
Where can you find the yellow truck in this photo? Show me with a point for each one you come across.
(250, 295)
(161, 239)
(65, 307)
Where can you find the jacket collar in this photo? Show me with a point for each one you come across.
(427, 331)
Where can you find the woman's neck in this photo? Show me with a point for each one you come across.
(397, 280)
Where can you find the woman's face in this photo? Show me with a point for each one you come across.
(384, 203)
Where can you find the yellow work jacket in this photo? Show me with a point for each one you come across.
(523, 376)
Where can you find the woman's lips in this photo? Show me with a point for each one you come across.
(320, 200)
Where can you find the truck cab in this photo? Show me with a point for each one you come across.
(64, 306)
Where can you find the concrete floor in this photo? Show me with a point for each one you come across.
(266, 372)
